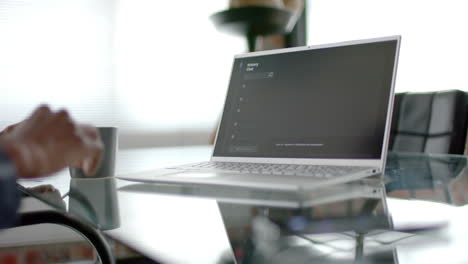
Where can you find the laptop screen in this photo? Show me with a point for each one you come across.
(310, 103)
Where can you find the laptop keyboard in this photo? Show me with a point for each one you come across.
(275, 169)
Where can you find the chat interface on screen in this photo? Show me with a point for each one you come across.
(317, 103)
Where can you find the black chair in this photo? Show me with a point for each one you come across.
(53, 217)
(433, 122)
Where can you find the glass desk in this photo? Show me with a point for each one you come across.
(415, 213)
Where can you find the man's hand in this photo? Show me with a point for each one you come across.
(47, 142)
(7, 130)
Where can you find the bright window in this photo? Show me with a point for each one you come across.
(434, 50)
(56, 52)
(157, 70)
(172, 66)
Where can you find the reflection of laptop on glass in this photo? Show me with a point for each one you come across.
(300, 118)
(265, 197)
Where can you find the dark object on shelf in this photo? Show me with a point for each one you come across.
(254, 21)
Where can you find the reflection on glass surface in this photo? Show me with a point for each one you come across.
(266, 226)
(249, 196)
(95, 199)
(439, 178)
(47, 193)
(332, 232)
(411, 216)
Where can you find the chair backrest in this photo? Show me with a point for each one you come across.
(434, 122)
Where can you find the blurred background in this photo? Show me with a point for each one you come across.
(159, 70)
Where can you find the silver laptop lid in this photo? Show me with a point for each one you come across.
(325, 104)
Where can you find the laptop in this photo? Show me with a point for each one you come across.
(299, 119)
